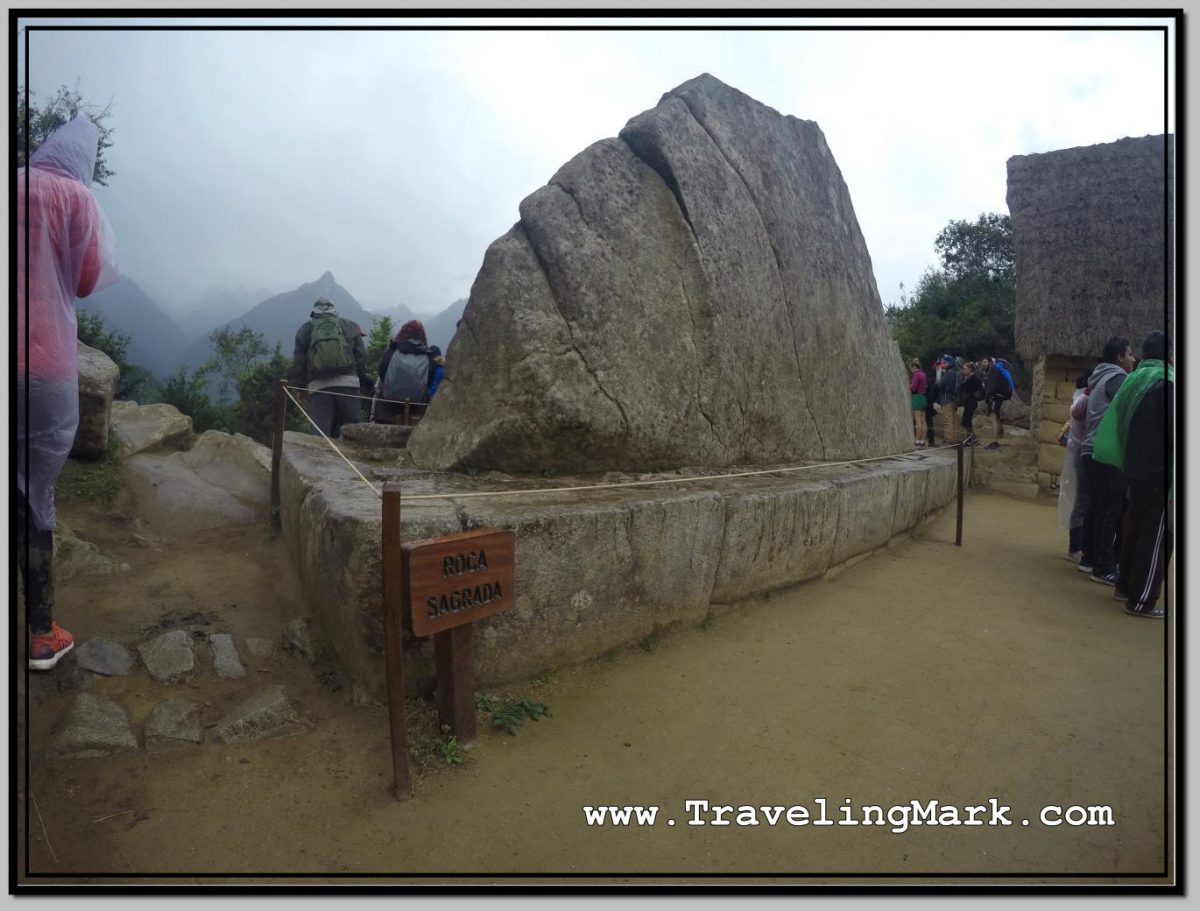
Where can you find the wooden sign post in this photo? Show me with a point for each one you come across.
(449, 582)
(392, 613)
(443, 584)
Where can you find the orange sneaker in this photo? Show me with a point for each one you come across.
(46, 649)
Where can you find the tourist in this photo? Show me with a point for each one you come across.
(945, 393)
(439, 369)
(918, 386)
(71, 254)
(1135, 436)
(330, 362)
(1106, 484)
(969, 394)
(406, 373)
(1073, 494)
(997, 390)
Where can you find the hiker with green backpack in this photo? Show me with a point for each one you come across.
(330, 362)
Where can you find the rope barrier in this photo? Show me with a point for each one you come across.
(610, 486)
(374, 489)
(350, 395)
(713, 477)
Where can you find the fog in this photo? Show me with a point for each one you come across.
(260, 159)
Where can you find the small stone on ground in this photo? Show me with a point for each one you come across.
(298, 638)
(225, 656)
(171, 657)
(257, 647)
(173, 722)
(103, 656)
(94, 726)
(267, 713)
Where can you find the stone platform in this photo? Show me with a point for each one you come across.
(594, 570)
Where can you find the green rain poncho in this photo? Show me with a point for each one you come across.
(1113, 431)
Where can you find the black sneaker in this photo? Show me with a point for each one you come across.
(1119, 595)
(992, 446)
(1084, 567)
(1154, 612)
(1109, 578)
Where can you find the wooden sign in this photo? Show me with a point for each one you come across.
(457, 579)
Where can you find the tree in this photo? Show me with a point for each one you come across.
(234, 353)
(968, 306)
(254, 414)
(61, 107)
(135, 381)
(378, 340)
(187, 392)
(979, 248)
(239, 364)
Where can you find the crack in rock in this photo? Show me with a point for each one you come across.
(778, 268)
(567, 323)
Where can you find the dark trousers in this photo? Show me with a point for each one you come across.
(35, 560)
(1146, 546)
(332, 411)
(969, 415)
(1106, 489)
(1075, 538)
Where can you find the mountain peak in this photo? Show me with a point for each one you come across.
(327, 279)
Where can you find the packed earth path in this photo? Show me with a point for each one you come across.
(925, 672)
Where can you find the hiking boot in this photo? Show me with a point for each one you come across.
(1154, 612)
(47, 649)
(1109, 578)
(992, 446)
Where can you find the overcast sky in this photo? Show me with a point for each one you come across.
(393, 158)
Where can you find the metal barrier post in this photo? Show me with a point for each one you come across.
(958, 528)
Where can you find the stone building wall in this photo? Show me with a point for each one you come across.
(1053, 387)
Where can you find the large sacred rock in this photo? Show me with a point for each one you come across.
(695, 292)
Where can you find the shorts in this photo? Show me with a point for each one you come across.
(918, 402)
(994, 404)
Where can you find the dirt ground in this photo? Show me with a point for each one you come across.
(925, 672)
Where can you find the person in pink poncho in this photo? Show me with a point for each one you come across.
(65, 250)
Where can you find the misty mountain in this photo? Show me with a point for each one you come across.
(156, 342)
(216, 306)
(278, 317)
(400, 314)
(440, 329)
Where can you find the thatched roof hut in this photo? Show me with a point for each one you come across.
(1090, 232)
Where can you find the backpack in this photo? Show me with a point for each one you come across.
(407, 377)
(329, 351)
(1008, 389)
